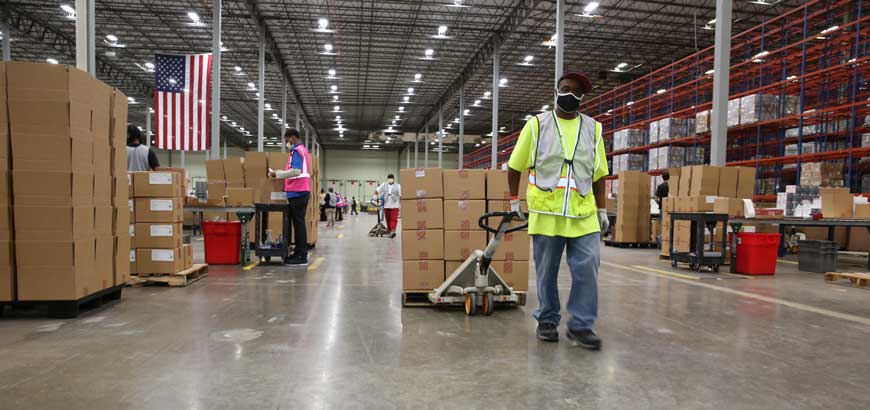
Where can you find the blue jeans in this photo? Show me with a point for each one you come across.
(583, 256)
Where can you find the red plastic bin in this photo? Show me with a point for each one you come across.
(222, 242)
(757, 253)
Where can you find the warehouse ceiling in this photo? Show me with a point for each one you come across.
(379, 52)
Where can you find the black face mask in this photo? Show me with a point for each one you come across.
(567, 102)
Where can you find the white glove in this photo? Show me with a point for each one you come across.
(603, 222)
(517, 211)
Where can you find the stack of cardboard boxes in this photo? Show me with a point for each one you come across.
(62, 183)
(633, 208)
(122, 185)
(440, 212)
(157, 229)
(704, 188)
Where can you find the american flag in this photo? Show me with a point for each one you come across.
(182, 101)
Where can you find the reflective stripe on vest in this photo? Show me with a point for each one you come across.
(551, 154)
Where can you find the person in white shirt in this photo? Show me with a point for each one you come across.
(392, 193)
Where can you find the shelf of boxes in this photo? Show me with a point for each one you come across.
(799, 77)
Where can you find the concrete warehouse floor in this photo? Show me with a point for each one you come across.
(336, 336)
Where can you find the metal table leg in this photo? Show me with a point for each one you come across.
(244, 218)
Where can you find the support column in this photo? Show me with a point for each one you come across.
(722, 68)
(494, 139)
(4, 27)
(441, 135)
(225, 148)
(148, 125)
(416, 149)
(461, 123)
(85, 60)
(261, 87)
(284, 118)
(560, 41)
(426, 147)
(216, 80)
(407, 156)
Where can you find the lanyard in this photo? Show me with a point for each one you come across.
(562, 137)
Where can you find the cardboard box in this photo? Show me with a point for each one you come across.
(7, 272)
(271, 191)
(422, 214)
(423, 244)
(278, 160)
(836, 202)
(422, 274)
(103, 157)
(133, 268)
(731, 206)
(157, 185)
(421, 183)
(102, 189)
(122, 261)
(697, 203)
(104, 261)
(53, 223)
(728, 178)
(633, 208)
(464, 184)
(256, 168)
(515, 246)
(234, 171)
(859, 241)
(862, 211)
(120, 223)
(187, 251)
(5, 222)
(131, 205)
(463, 214)
(104, 217)
(705, 180)
(69, 274)
(240, 197)
(159, 260)
(216, 190)
(159, 210)
(34, 151)
(214, 171)
(745, 182)
(118, 167)
(458, 245)
(122, 189)
(118, 112)
(497, 185)
(182, 176)
(57, 188)
(515, 273)
(158, 235)
(685, 181)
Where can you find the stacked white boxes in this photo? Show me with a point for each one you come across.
(628, 138)
(673, 128)
(702, 122)
(629, 162)
(758, 107)
(733, 112)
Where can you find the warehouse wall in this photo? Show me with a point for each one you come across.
(374, 165)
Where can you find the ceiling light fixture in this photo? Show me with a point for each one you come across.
(487, 94)
(70, 11)
(51, 61)
(238, 69)
(503, 82)
(331, 73)
(551, 42)
(402, 109)
(407, 98)
(336, 108)
(456, 3)
(334, 88)
(476, 103)
(428, 54)
(410, 90)
(334, 98)
(418, 77)
(194, 18)
(830, 30)
(661, 91)
(442, 31)
(322, 23)
(528, 60)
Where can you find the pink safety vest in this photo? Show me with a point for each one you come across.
(301, 183)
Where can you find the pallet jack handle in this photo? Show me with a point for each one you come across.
(503, 225)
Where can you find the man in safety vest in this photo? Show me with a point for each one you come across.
(564, 153)
(297, 185)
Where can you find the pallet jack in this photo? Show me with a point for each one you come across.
(475, 283)
(379, 230)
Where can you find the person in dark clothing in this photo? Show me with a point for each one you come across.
(353, 205)
(662, 189)
(322, 206)
(330, 202)
(139, 157)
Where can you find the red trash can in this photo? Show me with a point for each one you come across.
(757, 253)
(222, 242)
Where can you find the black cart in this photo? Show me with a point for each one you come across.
(279, 249)
(697, 257)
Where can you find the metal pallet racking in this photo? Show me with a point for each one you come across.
(813, 63)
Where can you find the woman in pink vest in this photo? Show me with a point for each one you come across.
(297, 185)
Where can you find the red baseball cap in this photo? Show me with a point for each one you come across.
(583, 79)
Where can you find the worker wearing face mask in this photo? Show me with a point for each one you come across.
(297, 185)
(392, 193)
(564, 153)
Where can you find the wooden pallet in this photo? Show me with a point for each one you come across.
(179, 279)
(419, 298)
(66, 309)
(641, 245)
(858, 279)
